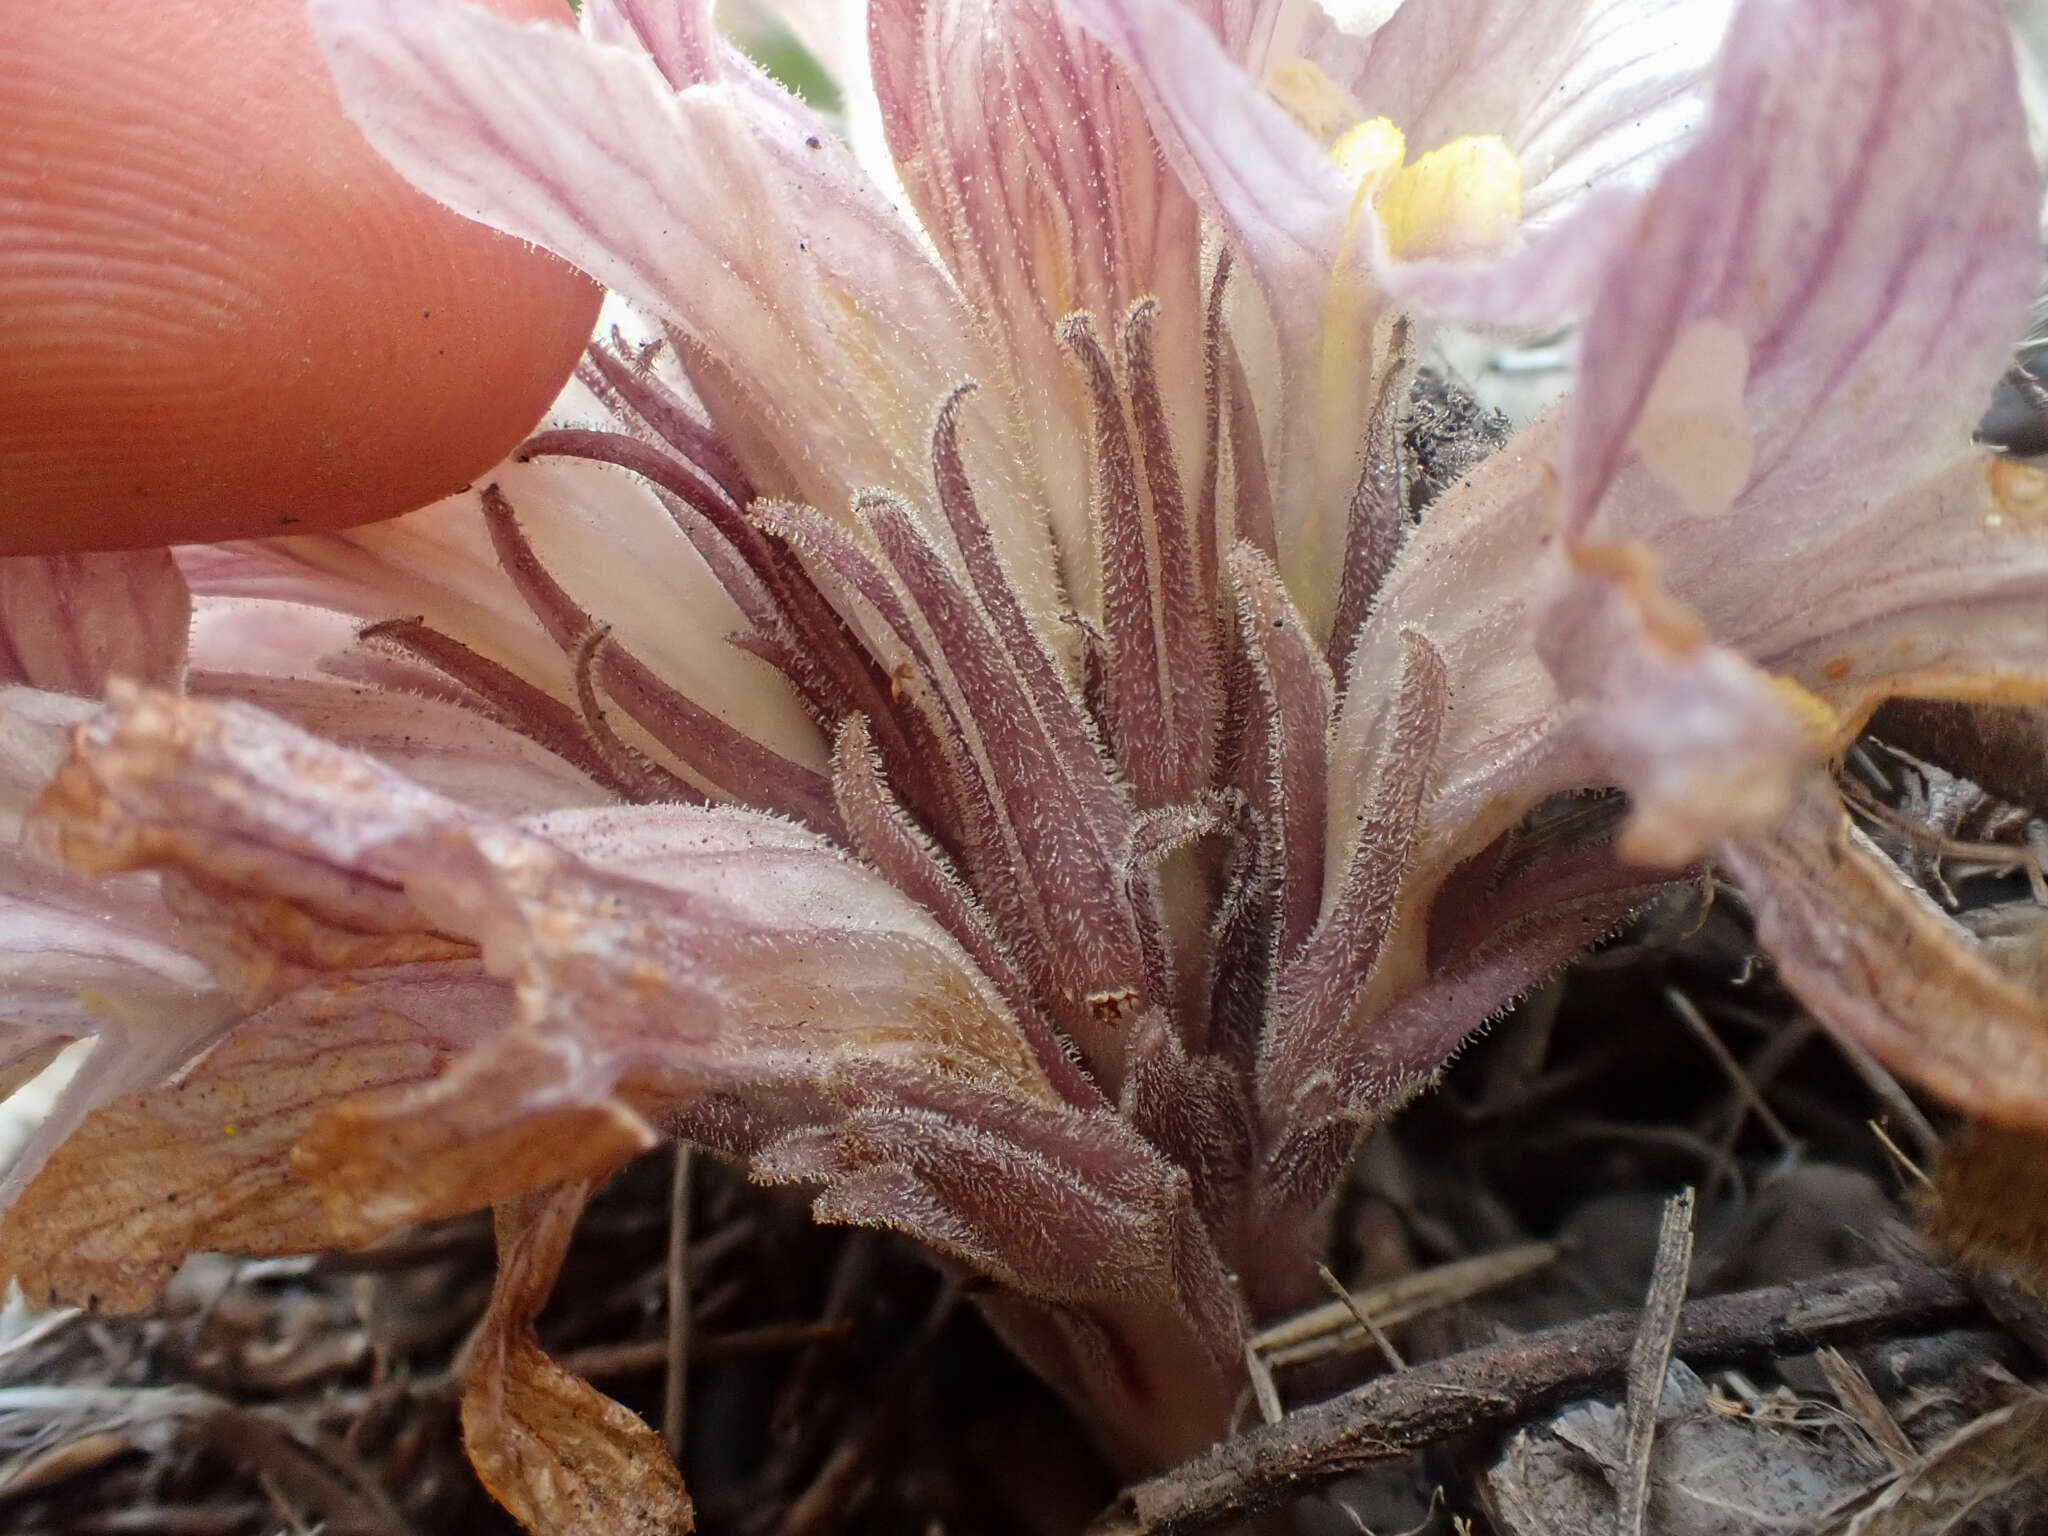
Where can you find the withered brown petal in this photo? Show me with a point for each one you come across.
(203, 1160)
(656, 952)
(505, 1124)
(1881, 964)
(561, 1456)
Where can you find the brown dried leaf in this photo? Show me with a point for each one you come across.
(561, 1456)
(1880, 963)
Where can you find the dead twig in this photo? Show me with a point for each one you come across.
(1264, 1393)
(1724, 1058)
(1501, 1384)
(1333, 1327)
(1649, 1358)
(1897, 1103)
(675, 1387)
(1364, 1316)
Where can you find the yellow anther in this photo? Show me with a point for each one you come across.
(1461, 200)
(1370, 154)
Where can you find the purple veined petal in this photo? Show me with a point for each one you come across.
(600, 532)
(1586, 93)
(1029, 159)
(1287, 210)
(450, 749)
(680, 36)
(1281, 197)
(1701, 739)
(818, 331)
(1939, 593)
(1825, 286)
(70, 622)
(1777, 391)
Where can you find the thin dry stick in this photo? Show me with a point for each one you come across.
(597, 1361)
(1358, 1310)
(1725, 1059)
(1328, 1329)
(674, 1392)
(1906, 1165)
(1650, 1358)
(1264, 1393)
(1898, 1104)
(1389, 1418)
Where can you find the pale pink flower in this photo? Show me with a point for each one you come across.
(970, 726)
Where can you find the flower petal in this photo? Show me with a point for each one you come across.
(656, 952)
(600, 532)
(1701, 740)
(451, 750)
(1779, 401)
(1281, 197)
(680, 36)
(560, 1455)
(820, 334)
(203, 1161)
(1936, 592)
(1860, 214)
(1029, 159)
(1584, 92)
(70, 622)
(1880, 964)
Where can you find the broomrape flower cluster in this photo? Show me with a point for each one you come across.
(976, 723)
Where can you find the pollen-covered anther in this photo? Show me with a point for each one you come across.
(1463, 199)
(1371, 154)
